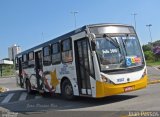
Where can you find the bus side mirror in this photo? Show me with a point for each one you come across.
(92, 36)
(93, 45)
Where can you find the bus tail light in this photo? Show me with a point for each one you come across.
(105, 79)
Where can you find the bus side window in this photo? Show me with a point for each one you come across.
(67, 51)
(56, 56)
(47, 56)
(25, 60)
(31, 61)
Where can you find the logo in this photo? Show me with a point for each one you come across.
(120, 80)
(133, 60)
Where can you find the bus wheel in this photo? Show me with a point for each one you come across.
(28, 87)
(67, 90)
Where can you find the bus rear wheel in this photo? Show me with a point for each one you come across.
(67, 90)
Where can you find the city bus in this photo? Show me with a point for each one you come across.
(95, 60)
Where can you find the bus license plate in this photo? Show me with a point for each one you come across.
(130, 88)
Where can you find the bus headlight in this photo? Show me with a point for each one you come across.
(105, 79)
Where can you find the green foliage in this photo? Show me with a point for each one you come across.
(7, 70)
(148, 52)
(146, 48)
(149, 55)
(151, 63)
(156, 43)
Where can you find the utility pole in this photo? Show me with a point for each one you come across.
(149, 28)
(74, 14)
(134, 17)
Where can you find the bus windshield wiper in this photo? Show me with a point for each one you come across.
(124, 46)
(111, 40)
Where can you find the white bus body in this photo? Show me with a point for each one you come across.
(95, 61)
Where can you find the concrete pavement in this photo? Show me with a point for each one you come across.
(153, 74)
(9, 83)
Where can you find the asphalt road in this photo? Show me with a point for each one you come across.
(9, 83)
(154, 73)
(17, 100)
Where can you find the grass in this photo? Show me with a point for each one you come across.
(8, 70)
(153, 63)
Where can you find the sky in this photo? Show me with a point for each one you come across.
(28, 23)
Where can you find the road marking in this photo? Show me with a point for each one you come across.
(7, 99)
(38, 97)
(156, 68)
(23, 96)
(154, 81)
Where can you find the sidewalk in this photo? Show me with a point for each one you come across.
(153, 79)
(3, 80)
(12, 76)
(9, 83)
(153, 74)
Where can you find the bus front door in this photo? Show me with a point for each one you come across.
(20, 71)
(38, 69)
(83, 66)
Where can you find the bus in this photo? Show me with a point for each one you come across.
(95, 60)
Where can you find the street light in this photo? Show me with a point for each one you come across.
(134, 17)
(149, 28)
(74, 14)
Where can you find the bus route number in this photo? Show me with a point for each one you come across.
(110, 51)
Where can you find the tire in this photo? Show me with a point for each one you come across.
(21, 82)
(67, 90)
(28, 87)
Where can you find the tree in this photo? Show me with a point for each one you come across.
(156, 43)
(146, 47)
(6, 59)
(156, 51)
(149, 55)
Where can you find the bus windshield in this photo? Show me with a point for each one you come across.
(127, 54)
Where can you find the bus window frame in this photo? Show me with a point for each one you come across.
(70, 40)
(29, 60)
(25, 63)
(29, 57)
(48, 62)
(59, 52)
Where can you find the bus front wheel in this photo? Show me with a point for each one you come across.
(67, 90)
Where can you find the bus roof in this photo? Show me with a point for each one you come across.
(67, 35)
(107, 24)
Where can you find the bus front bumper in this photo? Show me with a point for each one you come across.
(104, 89)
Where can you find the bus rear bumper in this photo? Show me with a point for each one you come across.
(104, 89)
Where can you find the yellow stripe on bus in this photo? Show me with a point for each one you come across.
(104, 89)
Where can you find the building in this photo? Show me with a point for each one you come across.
(12, 51)
(7, 62)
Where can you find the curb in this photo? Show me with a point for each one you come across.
(154, 82)
(3, 89)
